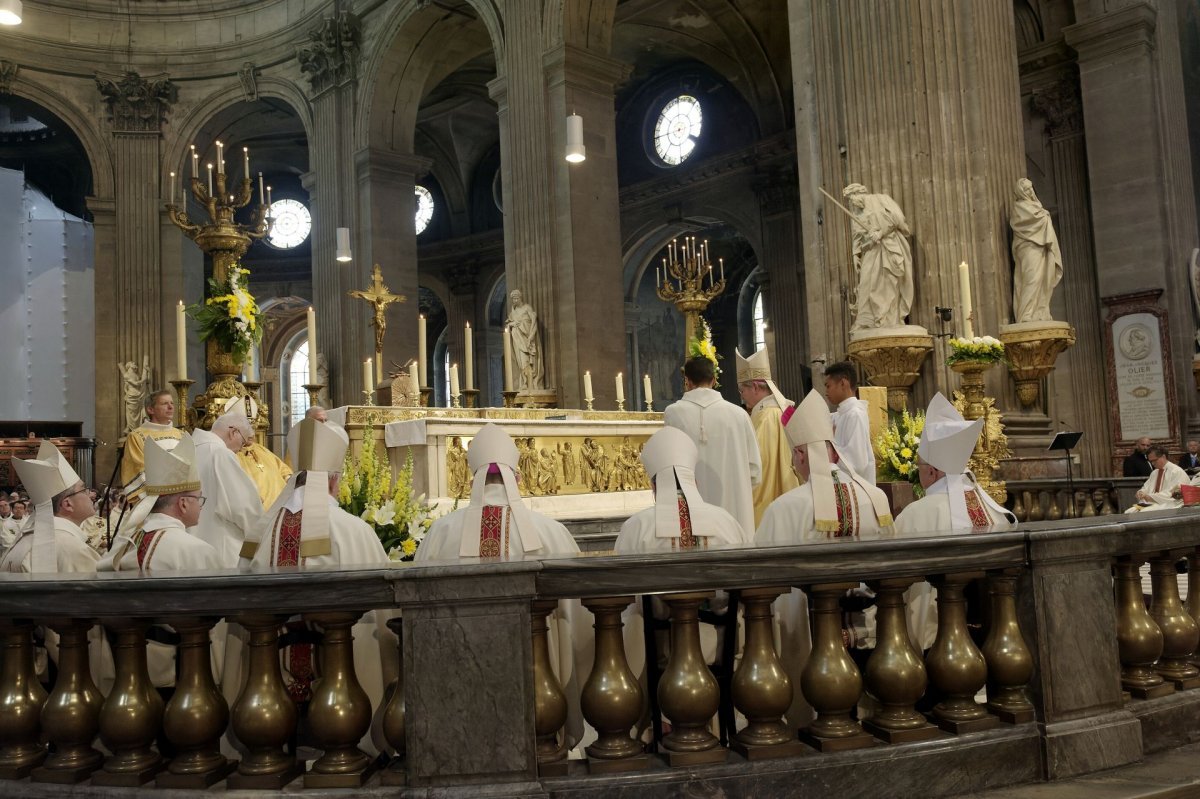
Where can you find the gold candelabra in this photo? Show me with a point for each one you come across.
(681, 280)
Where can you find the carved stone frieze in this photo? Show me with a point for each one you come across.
(330, 57)
(136, 103)
(1061, 105)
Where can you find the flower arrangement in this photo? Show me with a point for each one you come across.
(701, 346)
(896, 448)
(980, 349)
(367, 490)
(230, 316)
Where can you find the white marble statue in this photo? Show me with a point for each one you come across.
(135, 387)
(1036, 256)
(526, 344)
(882, 259)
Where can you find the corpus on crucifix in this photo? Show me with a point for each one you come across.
(378, 295)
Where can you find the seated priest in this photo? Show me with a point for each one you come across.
(265, 469)
(1159, 492)
(159, 426)
(953, 502)
(766, 404)
(233, 508)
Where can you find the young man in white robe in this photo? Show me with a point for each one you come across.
(851, 424)
(953, 504)
(233, 508)
(729, 466)
(766, 404)
(833, 502)
(1161, 489)
(159, 426)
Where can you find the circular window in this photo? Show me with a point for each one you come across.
(290, 224)
(677, 128)
(424, 208)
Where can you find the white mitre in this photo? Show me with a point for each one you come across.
(670, 459)
(947, 442)
(45, 477)
(758, 367)
(239, 405)
(318, 448)
(491, 445)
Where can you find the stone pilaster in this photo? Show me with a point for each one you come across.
(783, 283)
(110, 406)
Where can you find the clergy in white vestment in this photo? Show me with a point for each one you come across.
(19, 522)
(729, 466)
(833, 502)
(1161, 489)
(304, 528)
(233, 507)
(953, 503)
(766, 404)
(851, 425)
(159, 426)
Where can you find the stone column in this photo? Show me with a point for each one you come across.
(588, 267)
(919, 101)
(387, 235)
(110, 405)
(1139, 168)
(783, 283)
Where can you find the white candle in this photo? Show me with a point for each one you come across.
(647, 390)
(246, 161)
(414, 387)
(421, 365)
(508, 377)
(721, 261)
(262, 198)
(469, 356)
(195, 162)
(210, 194)
(181, 341)
(620, 388)
(454, 392)
(964, 288)
(312, 346)
(220, 158)
(172, 194)
(252, 364)
(268, 195)
(368, 375)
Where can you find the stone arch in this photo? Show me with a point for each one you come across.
(1028, 24)
(586, 24)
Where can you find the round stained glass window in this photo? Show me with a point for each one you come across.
(424, 208)
(677, 128)
(290, 224)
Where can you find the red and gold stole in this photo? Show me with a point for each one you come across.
(976, 511)
(686, 539)
(146, 546)
(493, 532)
(847, 509)
(299, 655)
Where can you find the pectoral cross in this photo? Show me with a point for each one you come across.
(378, 295)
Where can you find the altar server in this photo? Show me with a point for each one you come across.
(233, 508)
(851, 425)
(766, 404)
(1161, 489)
(159, 426)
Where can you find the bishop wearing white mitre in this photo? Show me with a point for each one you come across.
(766, 404)
(233, 506)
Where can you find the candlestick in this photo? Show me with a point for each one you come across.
(262, 198)
(314, 392)
(414, 385)
(454, 385)
(181, 409)
(210, 180)
(368, 375)
(620, 388)
(181, 341)
(312, 345)
(246, 161)
(195, 162)
(220, 158)
(964, 288)
(252, 365)
(587, 387)
(648, 392)
(721, 261)
(172, 193)
(507, 344)
(469, 356)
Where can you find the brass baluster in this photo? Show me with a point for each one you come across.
(71, 715)
(1108, 505)
(264, 716)
(611, 699)
(132, 714)
(1088, 503)
(21, 700)
(1179, 630)
(1053, 510)
(1139, 641)
(687, 692)
(762, 690)
(549, 701)
(393, 718)
(197, 714)
(1193, 595)
(340, 711)
(955, 664)
(895, 673)
(1035, 507)
(831, 681)
(1019, 510)
(1009, 662)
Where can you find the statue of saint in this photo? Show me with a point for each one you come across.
(882, 259)
(526, 344)
(135, 387)
(1036, 256)
(458, 472)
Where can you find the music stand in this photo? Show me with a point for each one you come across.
(1066, 442)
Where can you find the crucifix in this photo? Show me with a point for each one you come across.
(380, 298)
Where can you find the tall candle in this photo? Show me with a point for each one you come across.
(421, 365)
(268, 195)
(181, 341)
(587, 386)
(312, 347)
(262, 198)
(252, 364)
(210, 180)
(368, 375)
(172, 194)
(647, 390)
(620, 388)
(469, 356)
(414, 386)
(195, 162)
(246, 161)
(220, 158)
(454, 392)
(964, 288)
(508, 380)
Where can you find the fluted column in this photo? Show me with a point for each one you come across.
(110, 407)
(71, 715)
(783, 291)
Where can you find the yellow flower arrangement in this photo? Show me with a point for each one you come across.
(984, 349)
(230, 315)
(701, 346)
(896, 448)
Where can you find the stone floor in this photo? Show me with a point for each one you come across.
(1174, 774)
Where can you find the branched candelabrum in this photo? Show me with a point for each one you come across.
(682, 280)
(223, 238)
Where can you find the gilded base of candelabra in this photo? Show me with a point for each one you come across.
(426, 396)
(226, 385)
(314, 392)
(510, 399)
(620, 405)
(1031, 349)
(262, 420)
(470, 397)
(892, 358)
(456, 400)
(185, 418)
(973, 403)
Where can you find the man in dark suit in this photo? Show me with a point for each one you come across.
(1136, 464)
(1190, 460)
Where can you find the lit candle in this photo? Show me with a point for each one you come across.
(368, 375)
(587, 386)
(469, 356)
(195, 162)
(312, 346)
(246, 161)
(414, 386)
(722, 262)
(262, 198)
(252, 364)
(172, 194)
(181, 341)
(421, 373)
(507, 344)
(454, 380)
(210, 194)
(647, 390)
(268, 195)
(220, 158)
(620, 388)
(964, 288)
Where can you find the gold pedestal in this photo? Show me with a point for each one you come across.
(893, 360)
(426, 396)
(510, 399)
(973, 403)
(185, 418)
(226, 385)
(1031, 349)
(470, 397)
(314, 392)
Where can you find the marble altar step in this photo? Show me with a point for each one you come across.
(1173, 774)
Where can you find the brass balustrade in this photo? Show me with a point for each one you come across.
(687, 691)
(196, 716)
(895, 674)
(1009, 662)
(830, 680)
(339, 711)
(264, 716)
(71, 714)
(131, 716)
(21, 699)
(393, 722)
(762, 690)
(549, 703)
(1139, 640)
(1179, 630)
(612, 698)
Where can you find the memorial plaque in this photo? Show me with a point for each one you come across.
(1141, 383)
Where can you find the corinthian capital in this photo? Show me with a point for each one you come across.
(136, 103)
(331, 55)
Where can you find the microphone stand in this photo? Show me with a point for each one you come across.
(106, 505)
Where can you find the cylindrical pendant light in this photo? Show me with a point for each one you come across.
(343, 244)
(575, 149)
(10, 12)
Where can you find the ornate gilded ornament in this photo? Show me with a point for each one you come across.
(893, 362)
(1031, 355)
(137, 104)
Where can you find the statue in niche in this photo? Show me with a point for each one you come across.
(526, 343)
(882, 259)
(135, 387)
(458, 472)
(570, 465)
(1036, 256)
